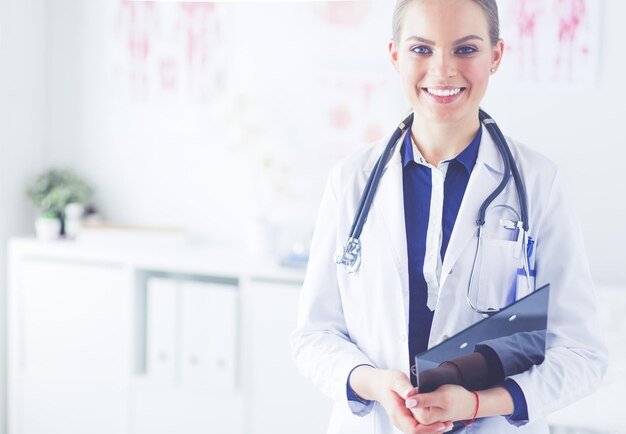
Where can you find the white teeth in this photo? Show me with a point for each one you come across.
(443, 92)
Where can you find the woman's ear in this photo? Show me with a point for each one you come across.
(496, 55)
(393, 54)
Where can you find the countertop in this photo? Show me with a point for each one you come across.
(164, 253)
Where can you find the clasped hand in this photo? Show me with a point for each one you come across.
(424, 413)
(447, 403)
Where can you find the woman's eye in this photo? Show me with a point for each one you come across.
(464, 51)
(421, 49)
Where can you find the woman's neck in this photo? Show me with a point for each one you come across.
(438, 142)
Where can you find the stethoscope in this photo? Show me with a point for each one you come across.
(349, 255)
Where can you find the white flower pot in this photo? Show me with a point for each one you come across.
(73, 219)
(47, 229)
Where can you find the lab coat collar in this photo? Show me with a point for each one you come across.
(378, 149)
(489, 155)
(467, 157)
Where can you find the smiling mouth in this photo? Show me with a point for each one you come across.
(443, 92)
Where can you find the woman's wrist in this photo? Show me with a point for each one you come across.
(495, 402)
(362, 382)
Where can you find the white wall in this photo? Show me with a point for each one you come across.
(22, 132)
(254, 147)
(171, 160)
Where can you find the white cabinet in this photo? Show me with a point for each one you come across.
(209, 335)
(282, 400)
(71, 366)
(190, 380)
(128, 341)
(192, 332)
(161, 300)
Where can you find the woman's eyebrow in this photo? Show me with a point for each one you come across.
(429, 42)
(466, 38)
(420, 39)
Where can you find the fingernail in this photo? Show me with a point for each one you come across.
(407, 391)
(449, 428)
(411, 403)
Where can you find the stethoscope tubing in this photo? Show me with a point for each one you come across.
(507, 157)
(519, 185)
(493, 129)
(372, 183)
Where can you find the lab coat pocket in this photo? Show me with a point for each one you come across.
(495, 274)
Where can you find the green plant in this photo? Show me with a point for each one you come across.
(49, 215)
(55, 188)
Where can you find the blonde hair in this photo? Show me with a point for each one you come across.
(489, 7)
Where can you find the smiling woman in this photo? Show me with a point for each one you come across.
(445, 53)
(463, 221)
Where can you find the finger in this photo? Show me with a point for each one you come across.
(405, 421)
(400, 416)
(408, 425)
(448, 426)
(401, 385)
(430, 415)
(410, 392)
(423, 400)
(438, 427)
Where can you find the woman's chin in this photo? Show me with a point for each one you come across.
(439, 114)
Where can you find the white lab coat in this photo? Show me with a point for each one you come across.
(349, 319)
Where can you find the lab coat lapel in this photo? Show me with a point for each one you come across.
(388, 205)
(483, 180)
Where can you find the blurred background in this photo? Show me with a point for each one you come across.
(191, 141)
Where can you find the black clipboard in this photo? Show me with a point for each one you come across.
(527, 315)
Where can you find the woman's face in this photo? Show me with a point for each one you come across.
(444, 57)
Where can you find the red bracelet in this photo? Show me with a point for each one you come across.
(475, 411)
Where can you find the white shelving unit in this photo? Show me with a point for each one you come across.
(141, 337)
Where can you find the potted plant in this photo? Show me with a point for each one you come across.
(51, 192)
(48, 226)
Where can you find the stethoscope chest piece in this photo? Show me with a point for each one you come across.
(349, 255)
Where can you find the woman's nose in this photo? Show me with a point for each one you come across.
(442, 65)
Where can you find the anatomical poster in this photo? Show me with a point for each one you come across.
(552, 43)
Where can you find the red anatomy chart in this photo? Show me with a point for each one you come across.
(551, 42)
(137, 24)
(168, 48)
(527, 13)
(571, 15)
(343, 14)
